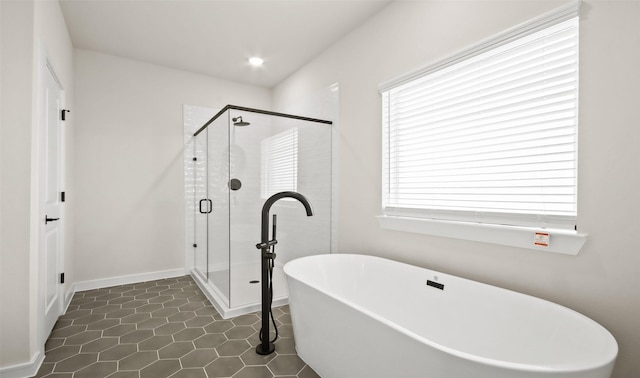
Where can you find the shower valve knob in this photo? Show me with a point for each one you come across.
(267, 244)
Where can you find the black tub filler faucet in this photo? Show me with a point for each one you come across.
(266, 246)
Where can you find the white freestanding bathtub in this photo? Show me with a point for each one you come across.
(358, 316)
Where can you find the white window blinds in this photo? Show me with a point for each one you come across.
(280, 163)
(490, 138)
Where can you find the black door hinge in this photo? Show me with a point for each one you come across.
(62, 196)
(63, 113)
(61, 278)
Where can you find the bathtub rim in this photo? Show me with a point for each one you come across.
(523, 367)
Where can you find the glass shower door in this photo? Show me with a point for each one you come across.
(218, 195)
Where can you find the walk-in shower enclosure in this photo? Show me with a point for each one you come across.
(239, 158)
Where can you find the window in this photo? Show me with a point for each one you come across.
(279, 163)
(490, 135)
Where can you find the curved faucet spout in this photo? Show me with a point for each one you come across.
(266, 346)
(267, 205)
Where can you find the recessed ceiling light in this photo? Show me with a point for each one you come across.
(256, 61)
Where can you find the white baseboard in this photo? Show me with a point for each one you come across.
(125, 280)
(27, 369)
(217, 300)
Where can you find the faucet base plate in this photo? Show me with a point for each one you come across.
(270, 349)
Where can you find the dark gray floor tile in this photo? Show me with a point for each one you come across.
(169, 329)
(250, 357)
(164, 312)
(285, 330)
(52, 344)
(126, 374)
(99, 345)
(45, 369)
(136, 336)
(220, 326)
(199, 321)
(192, 306)
(285, 345)
(245, 319)
(118, 352)
(285, 319)
(198, 358)
(208, 310)
(107, 297)
(181, 316)
(190, 373)
(103, 324)
(152, 323)
(160, 369)
(92, 305)
(210, 340)
(121, 313)
(135, 318)
(135, 303)
(233, 348)
(62, 323)
(138, 360)
(175, 302)
(239, 332)
(308, 372)
(83, 337)
(286, 365)
(119, 300)
(188, 334)
(119, 330)
(161, 299)
(147, 296)
(254, 372)
(163, 328)
(155, 343)
(61, 353)
(224, 367)
(176, 350)
(76, 362)
(68, 331)
(150, 307)
(97, 370)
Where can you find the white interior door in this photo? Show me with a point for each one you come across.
(51, 174)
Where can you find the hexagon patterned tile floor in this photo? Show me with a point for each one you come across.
(163, 328)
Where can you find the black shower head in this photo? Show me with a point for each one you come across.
(237, 121)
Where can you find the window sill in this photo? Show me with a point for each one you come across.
(560, 241)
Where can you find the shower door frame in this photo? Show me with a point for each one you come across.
(260, 111)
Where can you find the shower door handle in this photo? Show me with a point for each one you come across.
(209, 209)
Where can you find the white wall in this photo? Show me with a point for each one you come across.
(129, 156)
(17, 81)
(26, 26)
(602, 281)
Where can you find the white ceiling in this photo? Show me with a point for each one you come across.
(216, 37)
